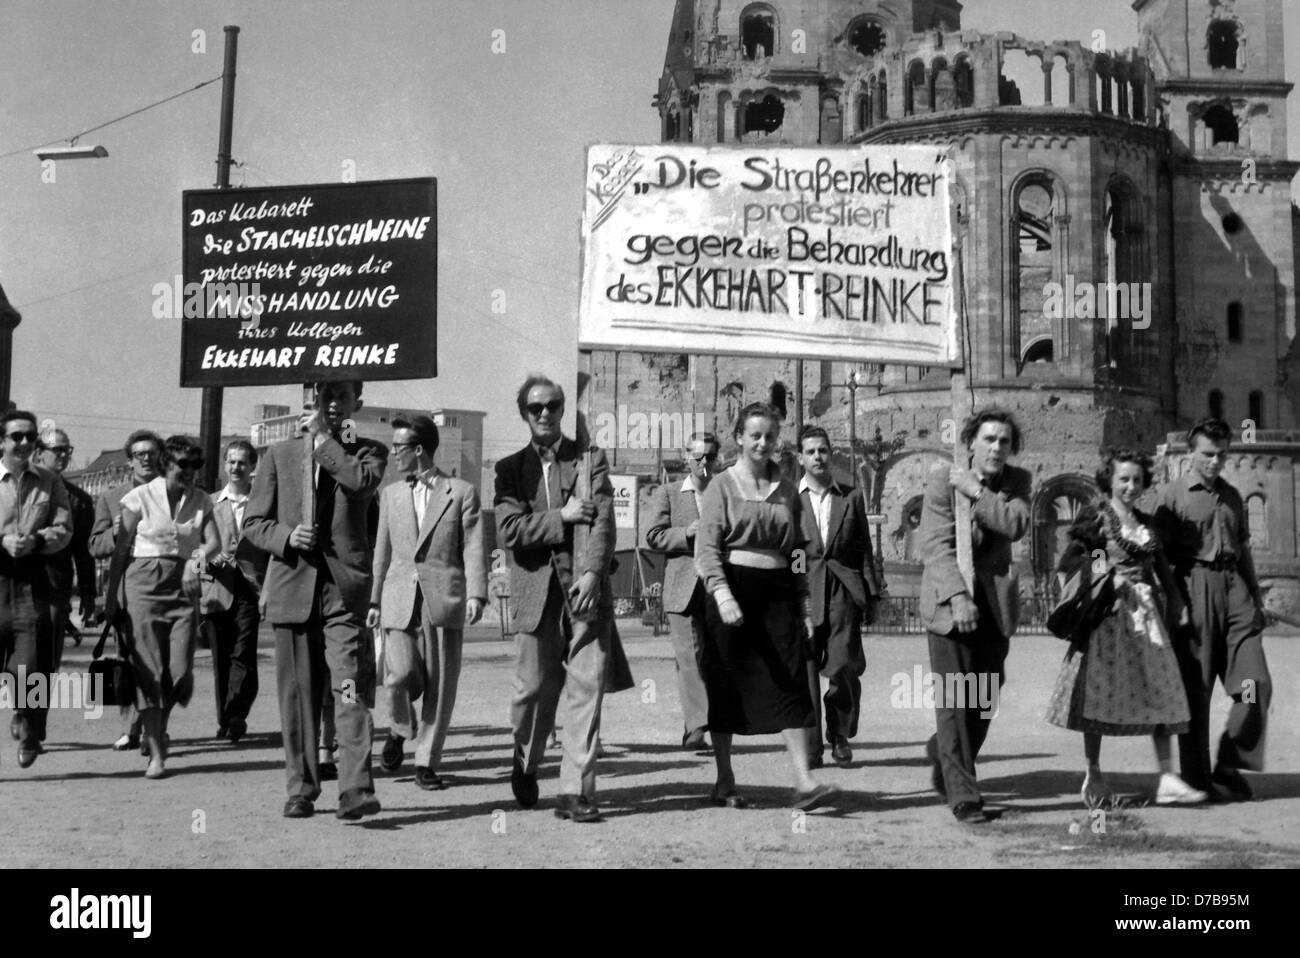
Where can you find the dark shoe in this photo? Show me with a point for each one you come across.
(695, 741)
(732, 799)
(841, 754)
(427, 779)
(235, 731)
(970, 813)
(821, 795)
(222, 732)
(355, 803)
(27, 753)
(327, 772)
(299, 807)
(815, 760)
(936, 770)
(523, 785)
(16, 727)
(577, 808)
(390, 759)
(1233, 782)
(125, 742)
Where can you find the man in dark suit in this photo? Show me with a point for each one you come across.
(317, 588)
(969, 634)
(54, 452)
(674, 517)
(843, 587)
(143, 450)
(236, 578)
(555, 517)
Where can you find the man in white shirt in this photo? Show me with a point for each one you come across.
(430, 581)
(843, 586)
(675, 515)
(237, 575)
(35, 523)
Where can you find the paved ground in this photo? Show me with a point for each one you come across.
(84, 805)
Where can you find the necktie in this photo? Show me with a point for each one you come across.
(551, 475)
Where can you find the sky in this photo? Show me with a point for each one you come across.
(398, 89)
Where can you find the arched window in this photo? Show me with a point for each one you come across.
(882, 98)
(915, 92)
(963, 78)
(1129, 349)
(1257, 520)
(943, 91)
(832, 123)
(1221, 123)
(764, 116)
(1216, 403)
(1035, 264)
(1221, 39)
(758, 31)
(1255, 406)
(1234, 322)
(866, 36)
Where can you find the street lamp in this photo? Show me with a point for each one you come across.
(95, 152)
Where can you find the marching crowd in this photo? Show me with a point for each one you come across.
(768, 586)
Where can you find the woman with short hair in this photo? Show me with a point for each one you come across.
(758, 617)
(169, 525)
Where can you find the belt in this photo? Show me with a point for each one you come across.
(757, 558)
(1221, 564)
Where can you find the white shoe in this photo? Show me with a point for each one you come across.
(1174, 791)
(1096, 790)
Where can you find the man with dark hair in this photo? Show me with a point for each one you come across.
(34, 525)
(675, 516)
(1206, 536)
(231, 594)
(143, 449)
(54, 452)
(560, 599)
(969, 634)
(430, 581)
(317, 586)
(843, 587)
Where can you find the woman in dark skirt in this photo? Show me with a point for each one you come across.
(168, 521)
(753, 660)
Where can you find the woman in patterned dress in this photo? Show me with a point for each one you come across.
(1123, 678)
(758, 613)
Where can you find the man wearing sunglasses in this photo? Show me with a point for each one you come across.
(54, 452)
(143, 449)
(317, 591)
(675, 514)
(34, 525)
(560, 599)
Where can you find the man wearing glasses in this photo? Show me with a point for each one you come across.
(675, 517)
(560, 599)
(34, 525)
(143, 450)
(54, 452)
(430, 581)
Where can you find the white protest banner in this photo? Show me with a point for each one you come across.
(841, 254)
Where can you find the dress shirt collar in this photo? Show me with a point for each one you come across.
(1194, 481)
(549, 453)
(749, 488)
(833, 487)
(228, 494)
(6, 471)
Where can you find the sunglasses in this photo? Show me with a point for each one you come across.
(707, 457)
(196, 463)
(59, 450)
(535, 408)
(22, 436)
(145, 455)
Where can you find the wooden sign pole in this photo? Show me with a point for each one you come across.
(961, 409)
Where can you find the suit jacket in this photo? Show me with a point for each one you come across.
(532, 534)
(41, 510)
(349, 475)
(443, 556)
(999, 517)
(76, 558)
(250, 561)
(671, 511)
(846, 556)
(107, 508)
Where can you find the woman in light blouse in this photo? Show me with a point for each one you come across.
(759, 618)
(169, 524)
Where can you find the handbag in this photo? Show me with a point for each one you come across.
(112, 678)
(1085, 600)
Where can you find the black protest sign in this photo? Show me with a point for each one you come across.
(296, 283)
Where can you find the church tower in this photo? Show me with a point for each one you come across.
(1221, 88)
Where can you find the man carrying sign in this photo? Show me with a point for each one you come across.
(317, 589)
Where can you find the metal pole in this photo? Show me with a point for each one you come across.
(853, 427)
(210, 413)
